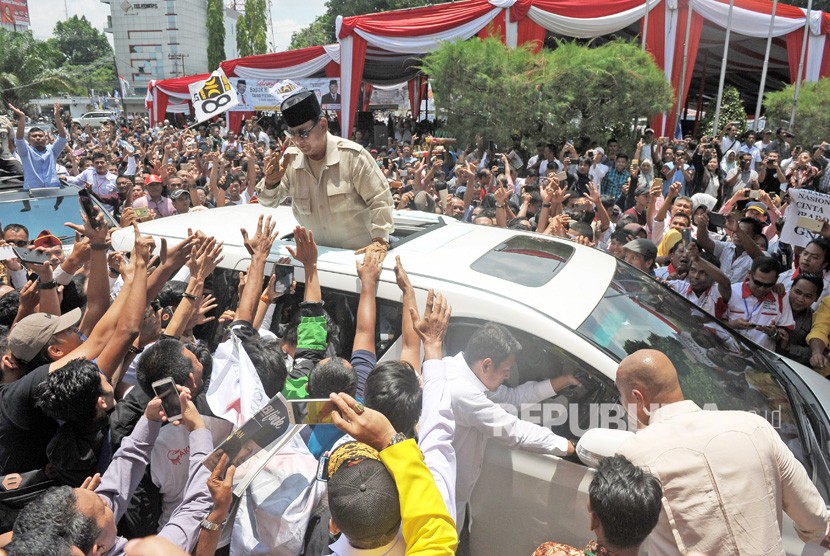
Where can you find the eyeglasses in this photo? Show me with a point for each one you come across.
(763, 284)
(301, 133)
(20, 242)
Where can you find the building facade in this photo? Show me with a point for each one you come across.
(160, 39)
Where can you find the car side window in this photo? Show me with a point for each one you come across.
(593, 403)
(342, 307)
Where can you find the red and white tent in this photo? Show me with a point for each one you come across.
(418, 31)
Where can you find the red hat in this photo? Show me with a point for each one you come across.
(46, 239)
(152, 178)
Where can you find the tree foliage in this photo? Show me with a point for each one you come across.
(812, 119)
(731, 110)
(215, 33)
(251, 28)
(491, 91)
(79, 41)
(30, 68)
(321, 30)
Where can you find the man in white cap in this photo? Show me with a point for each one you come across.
(336, 186)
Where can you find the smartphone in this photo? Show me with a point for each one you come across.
(809, 224)
(717, 219)
(323, 468)
(141, 212)
(30, 256)
(562, 177)
(404, 173)
(89, 208)
(166, 390)
(686, 234)
(285, 275)
(658, 181)
(313, 411)
(755, 194)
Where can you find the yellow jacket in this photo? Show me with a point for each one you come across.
(821, 328)
(427, 526)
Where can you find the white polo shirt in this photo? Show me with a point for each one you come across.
(710, 301)
(787, 278)
(773, 309)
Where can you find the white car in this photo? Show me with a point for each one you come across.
(575, 310)
(95, 119)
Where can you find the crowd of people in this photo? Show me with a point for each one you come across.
(91, 464)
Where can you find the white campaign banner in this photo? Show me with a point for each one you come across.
(804, 217)
(265, 94)
(213, 96)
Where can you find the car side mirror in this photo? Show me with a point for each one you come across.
(597, 444)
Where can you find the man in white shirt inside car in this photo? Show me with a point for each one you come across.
(474, 379)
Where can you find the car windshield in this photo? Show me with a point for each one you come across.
(41, 213)
(717, 368)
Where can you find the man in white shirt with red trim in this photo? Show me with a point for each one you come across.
(755, 309)
(705, 285)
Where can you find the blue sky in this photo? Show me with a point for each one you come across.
(288, 16)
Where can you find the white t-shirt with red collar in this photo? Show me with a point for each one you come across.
(710, 301)
(773, 309)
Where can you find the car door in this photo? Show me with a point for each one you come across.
(523, 499)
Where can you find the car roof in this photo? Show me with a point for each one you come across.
(435, 250)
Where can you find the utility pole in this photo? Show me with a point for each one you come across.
(176, 58)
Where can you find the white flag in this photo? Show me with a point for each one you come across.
(213, 96)
(125, 86)
(284, 89)
(235, 392)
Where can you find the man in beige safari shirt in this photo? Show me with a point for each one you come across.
(337, 188)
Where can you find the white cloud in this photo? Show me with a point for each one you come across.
(289, 17)
(48, 12)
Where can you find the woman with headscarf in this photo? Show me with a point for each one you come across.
(729, 161)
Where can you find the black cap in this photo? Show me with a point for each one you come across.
(300, 108)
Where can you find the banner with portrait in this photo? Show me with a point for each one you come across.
(255, 94)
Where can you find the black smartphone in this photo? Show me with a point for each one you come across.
(285, 275)
(166, 390)
(30, 256)
(717, 219)
(89, 208)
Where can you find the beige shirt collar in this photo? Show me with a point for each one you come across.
(665, 412)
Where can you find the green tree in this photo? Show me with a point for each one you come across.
(215, 33)
(29, 68)
(812, 119)
(243, 45)
(80, 41)
(494, 92)
(321, 30)
(731, 110)
(250, 29)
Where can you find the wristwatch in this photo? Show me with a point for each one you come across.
(48, 285)
(396, 438)
(209, 525)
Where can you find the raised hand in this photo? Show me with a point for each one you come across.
(362, 423)
(264, 237)
(432, 328)
(306, 248)
(369, 269)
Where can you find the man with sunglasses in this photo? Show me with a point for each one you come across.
(336, 186)
(756, 310)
